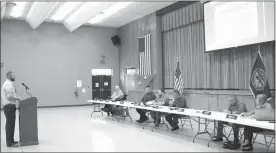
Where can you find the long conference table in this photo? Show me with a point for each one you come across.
(213, 115)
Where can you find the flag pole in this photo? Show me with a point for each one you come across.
(259, 54)
(259, 51)
(177, 65)
(173, 73)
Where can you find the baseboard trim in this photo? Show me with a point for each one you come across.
(29, 143)
(63, 106)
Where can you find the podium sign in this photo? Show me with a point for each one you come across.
(28, 122)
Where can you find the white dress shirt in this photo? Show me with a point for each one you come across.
(8, 93)
(117, 94)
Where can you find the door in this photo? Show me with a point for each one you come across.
(129, 82)
(106, 87)
(129, 79)
(101, 86)
(96, 88)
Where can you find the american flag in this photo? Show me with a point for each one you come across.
(178, 81)
(144, 55)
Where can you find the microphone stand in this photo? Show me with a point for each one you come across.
(28, 92)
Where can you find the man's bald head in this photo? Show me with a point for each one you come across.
(10, 76)
(117, 88)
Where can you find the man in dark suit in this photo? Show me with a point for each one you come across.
(149, 96)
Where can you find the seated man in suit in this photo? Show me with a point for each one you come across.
(235, 107)
(117, 95)
(262, 112)
(180, 102)
(161, 100)
(149, 96)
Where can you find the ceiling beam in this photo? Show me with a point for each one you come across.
(85, 13)
(39, 12)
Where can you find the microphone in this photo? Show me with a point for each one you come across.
(26, 86)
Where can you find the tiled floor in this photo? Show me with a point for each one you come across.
(71, 129)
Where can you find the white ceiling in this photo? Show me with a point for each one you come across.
(74, 14)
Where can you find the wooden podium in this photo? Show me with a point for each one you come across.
(28, 122)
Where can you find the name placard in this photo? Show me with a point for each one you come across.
(233, 117)
(206, 113)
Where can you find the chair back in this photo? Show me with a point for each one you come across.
(124, 97)
(121, 98)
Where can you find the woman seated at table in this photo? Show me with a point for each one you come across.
(262, 112)
(161, 100)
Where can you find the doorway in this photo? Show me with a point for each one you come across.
(101, 83)
(130, 79)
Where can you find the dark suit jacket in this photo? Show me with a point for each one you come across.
(148, 97)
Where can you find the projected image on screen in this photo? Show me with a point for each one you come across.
(232, 24)
(241, 23)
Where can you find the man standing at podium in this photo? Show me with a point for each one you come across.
(9, 98)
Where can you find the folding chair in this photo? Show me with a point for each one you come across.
(149, 119)
(184, 119)
(163, 122)
(122, 113)
(215, 129)
(265, 133)
(241, 131)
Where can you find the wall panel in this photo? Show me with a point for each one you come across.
(128, 50)
(50, 60)
(182, 16)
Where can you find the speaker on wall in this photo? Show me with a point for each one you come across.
(116, 40)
